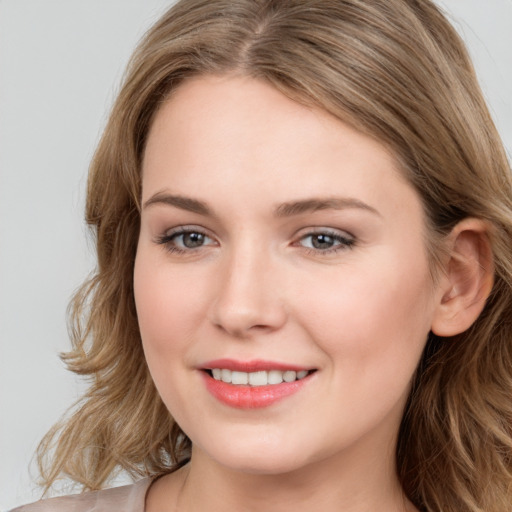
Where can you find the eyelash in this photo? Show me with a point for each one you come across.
(168, 240)
(343, 242)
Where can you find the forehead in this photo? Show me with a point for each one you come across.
(243, 134)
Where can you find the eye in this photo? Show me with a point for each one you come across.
(326, 242)
(185, 240)
(190, 240)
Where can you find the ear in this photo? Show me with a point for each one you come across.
(467, 278)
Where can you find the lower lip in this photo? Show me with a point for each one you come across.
(251, 397)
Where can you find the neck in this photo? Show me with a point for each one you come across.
(355, 485)
(359, 477)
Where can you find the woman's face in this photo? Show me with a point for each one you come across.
(278, 243)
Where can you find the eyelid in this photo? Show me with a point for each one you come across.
(346, 240)
(321, 230)
(166, 238)
(187, 228)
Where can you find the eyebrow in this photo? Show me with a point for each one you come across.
(312, 205)
(288, 209)
(182, 202)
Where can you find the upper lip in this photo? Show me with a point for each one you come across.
(255, 365)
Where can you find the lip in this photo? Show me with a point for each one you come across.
(251, 397)
(255, 365)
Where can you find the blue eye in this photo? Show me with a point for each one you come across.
(190, 240)
(184, 240)
(326, 242)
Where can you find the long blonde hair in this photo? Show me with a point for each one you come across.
(393, 69)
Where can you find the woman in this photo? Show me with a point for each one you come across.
(303, 216)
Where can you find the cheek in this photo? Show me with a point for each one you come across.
(168, 304)
(166, 319)
(374, 320)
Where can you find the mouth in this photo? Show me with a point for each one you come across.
(257, 378)
(255, 384)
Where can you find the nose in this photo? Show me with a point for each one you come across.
(248, 298)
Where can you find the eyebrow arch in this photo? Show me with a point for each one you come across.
(316, 204)
(182, 202)
(288, 209)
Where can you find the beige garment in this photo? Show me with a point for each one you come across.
(129, 498)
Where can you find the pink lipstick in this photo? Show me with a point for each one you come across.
(253, 384)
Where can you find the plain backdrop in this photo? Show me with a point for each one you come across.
(61, 62)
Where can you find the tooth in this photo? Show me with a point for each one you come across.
(289, 376)
(258, 378)
(275, 377)
(261, 378)
(239, 377)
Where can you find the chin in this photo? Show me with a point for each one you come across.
(263, 457)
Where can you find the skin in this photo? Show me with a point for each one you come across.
(259, 288)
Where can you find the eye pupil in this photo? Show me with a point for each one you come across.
(322, 241)
(191, 240)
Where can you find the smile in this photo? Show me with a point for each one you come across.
(252, 385)
(259, 378)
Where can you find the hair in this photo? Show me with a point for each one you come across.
(393, 69)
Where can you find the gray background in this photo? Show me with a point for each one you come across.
(60, 64)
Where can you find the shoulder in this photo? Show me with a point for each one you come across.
(128, 498)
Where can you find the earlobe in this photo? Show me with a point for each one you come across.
(467, 280)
